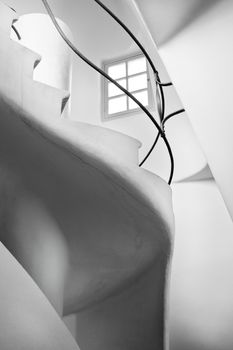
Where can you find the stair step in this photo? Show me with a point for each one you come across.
(17, 64)
(22, 302)
(7, 17)
(115, 143)
(16, 61)
(97, 142)
(14, 55)
(42, 101)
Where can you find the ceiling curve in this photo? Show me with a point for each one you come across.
(165, 18)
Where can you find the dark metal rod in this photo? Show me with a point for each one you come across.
(12, 8)
(134, 39)
(16, 32)
(172, 115)
(141, 47)
(162, 102)
(169, 151)
(151, 149)
(77, 52)
(158, 134)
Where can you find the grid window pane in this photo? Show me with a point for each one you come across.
(132, 75)
(117, 104)
(142, 96)
(113, 89)
(138, 82)
(117, 71)
(137, 65)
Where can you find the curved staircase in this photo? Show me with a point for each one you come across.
(84, 230)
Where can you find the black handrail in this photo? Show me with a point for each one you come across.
(77, 52)
(158, 134)
(16, 32)
(135, 40)
(157, 80)
(172, 115)
(13, 27)
(141, 47)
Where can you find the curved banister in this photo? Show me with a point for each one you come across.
(173, 114)
(16, 32)
(141, 47)
(13, 27)
(159, 84)
(135, 40)
(158, 134)
(144, 109)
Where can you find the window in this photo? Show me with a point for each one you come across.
(132, 74)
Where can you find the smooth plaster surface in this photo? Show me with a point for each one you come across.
(88, 23)
(199, 60)
(93, 231)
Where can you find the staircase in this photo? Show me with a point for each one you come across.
(84, 229)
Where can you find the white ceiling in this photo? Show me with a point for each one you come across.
(164, 17)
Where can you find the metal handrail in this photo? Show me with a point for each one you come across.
(78, 53)
(13, 27)
(158, 134)
(141, 47)
(135, 40)
(157, 79)
(16, 32)
(161, 99)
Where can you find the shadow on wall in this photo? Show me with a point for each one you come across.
(201, 302)
(168, 20)
(199, 8)
(195, 344)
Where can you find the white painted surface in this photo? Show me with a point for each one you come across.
(167, 18)
(28, 321)
(39, 35)
(88, 23)
(17, 65)
(85, 224)
(8, 16)
(116, 222)
(201, 303)
(199, 61)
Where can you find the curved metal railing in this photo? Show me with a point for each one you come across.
(159, 85)
(13, 27)
(91, 64)
(16, 32)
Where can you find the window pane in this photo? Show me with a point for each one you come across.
(137, 65)
(138, 82)
(117, 71)
(117, 104)
(113, 89)
(142, 96)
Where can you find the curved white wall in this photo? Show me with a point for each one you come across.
(201, 303)
(28, 321)
(88, 23)
(199, 61)
(39, 35)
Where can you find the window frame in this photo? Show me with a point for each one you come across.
(104, 89)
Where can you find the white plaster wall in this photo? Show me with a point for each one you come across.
(24, 309)
(199, 61)
(38, 33)
(88, 23)
(201, 303)
(201, 291)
